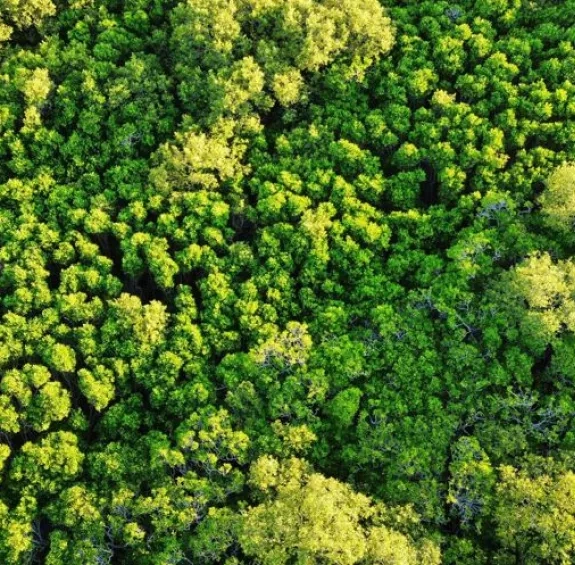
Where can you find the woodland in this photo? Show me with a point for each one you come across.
(287, 282)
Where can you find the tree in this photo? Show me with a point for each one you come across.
(538, 294)
(558, 199)
(275, 42)
(472, 482)
(307, 517)
(235, 232)
(44, 467)
(535, 515)
(24, 13)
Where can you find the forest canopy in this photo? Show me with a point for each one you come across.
(287, 282)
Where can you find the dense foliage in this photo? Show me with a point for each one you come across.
(287, 282)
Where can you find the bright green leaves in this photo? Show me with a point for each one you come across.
(36, 86)
(203, 162)
(345, 406)
(215, 534)
(273, 392)
(307, 517)
(535, 515)
(312, 518)
(241, 88)
(255, 48)
(472, 482)
(558, 199)
(360, 32)
(538, 293)
(97, 386)
(51, 404)
(234, 232)
(77, 508)
(156, 257)
(288, 87)
(208, 441)
(545, 285)
(23, 14)
(60, 357)
(46, 466)
(287, 350)
(386, 546)
(139, 328)
(8, 415)
(42, 401)
(4, 455)
(169, 509)
(16, 536)
(504, 10)
(317, 204)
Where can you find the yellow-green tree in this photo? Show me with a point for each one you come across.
(308, 518)
(558, 199)
(538, 298)
(535, 516)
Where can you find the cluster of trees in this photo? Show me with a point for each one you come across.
(287, 281)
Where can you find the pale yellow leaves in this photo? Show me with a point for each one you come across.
(307, 518)
(25, 13)
(540, 295)
(558, 200)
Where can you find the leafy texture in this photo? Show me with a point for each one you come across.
(287, 281)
